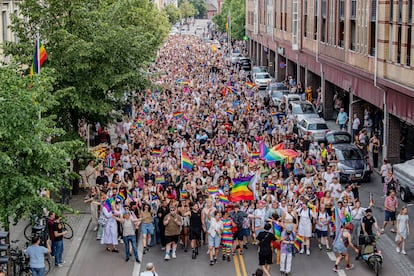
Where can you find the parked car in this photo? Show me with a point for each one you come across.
(316, 128)
(303, 110)
(245, 64)
(259, 69)
(262, 80)
(277, 96)
(352, 165)
(404, 173)
(235, 57)
(287, 99)
(338, 137)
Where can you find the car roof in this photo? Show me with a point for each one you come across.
(314, 120)
(344, 146)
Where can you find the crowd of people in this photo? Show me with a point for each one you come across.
(173, 170)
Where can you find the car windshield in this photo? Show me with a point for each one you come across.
(277, 94)
(349, 154)
(258, 69)
(297, 109)
(262, 76)
(320, 126)
(338, 139)
(307, 109)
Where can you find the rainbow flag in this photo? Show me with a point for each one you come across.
(223, 199)
(184, 194)
(250, 84)
(159, 179)
(186, 163)
(313, 207)
(139, 123)
(109, 204)
(154, 196)
(298, 242)
(228, 23)
(212, 190)
(40, 56)
(178, 114)
(277, 230)
(337, 221)
(231, 89)
(182, 81)
(271, 186)
(348, 216)
(241, 190)
(155, 152)
(255, 155)
(230, 112)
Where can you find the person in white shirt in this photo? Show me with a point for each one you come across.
(335, 188)
(214, 235)
(259, 217)
(149, 270)
(328, 176)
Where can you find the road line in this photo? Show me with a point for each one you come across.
(236, 264)
(242, 264)
(137, 266)
(331, 256)
(341, 272)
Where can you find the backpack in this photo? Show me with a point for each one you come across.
(392, 185)
(309, 214)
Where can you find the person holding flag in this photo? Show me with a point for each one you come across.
(341, 244)
(287, 248)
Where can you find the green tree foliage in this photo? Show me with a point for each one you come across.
(187, 9)
(237, 11)
(100, 50)
(28, 161)
(200, 7)
(173, 13)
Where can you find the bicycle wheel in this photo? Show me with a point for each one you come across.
(68, 228)
(28, 232)
(376, 267)
(47, 265)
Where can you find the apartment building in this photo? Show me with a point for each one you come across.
(358, 49)
(7, 7)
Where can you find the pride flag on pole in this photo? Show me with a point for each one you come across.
(277, 230)
(241, 190)
(186, 163)
(40, 56)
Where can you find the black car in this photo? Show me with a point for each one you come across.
(352, 165)
(245, 64)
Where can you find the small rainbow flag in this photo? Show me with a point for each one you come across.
(178, 114)
(155, 152)
(160, 179)
(250, 84)
(186, 163)
(230, 112)
(298, 242)
(271, 186)
(109, 204)
(313, 207)
(232, 89)
(223, 199)
(184, 194)
(277, 230)
(154, 196)
(139, 123)
(255, 155)
(212, 190)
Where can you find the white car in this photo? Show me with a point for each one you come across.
(316, 128)
(262, 79)
(235, 57)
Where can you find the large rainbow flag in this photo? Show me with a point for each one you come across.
(40, 56)
(186, 163)
(241, 190)
(277, 230)
(109, 204)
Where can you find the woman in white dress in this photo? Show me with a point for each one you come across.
(403, 230)
(110, 231)
(305, 226)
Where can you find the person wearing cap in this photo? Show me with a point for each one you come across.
(367, 235)
(149, 270)
(265, 239)
(341, 244)
(287, 246)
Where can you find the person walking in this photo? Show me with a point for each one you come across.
(286, 249)
(226, 236)
(59, 232)
(195, 229)
(340, 247)
(403, 230)
(376, 146)
(342, 119)
(172, 223)
(147, 227)
(214, 235)
(128, 227)
(265, 239)
(36, 253)
(391, 206)
(355, 126)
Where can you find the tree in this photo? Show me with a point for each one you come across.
(99, 50)
(237, 11)
(200, 7)
(173, 13)
(187, 9)
(28, 161)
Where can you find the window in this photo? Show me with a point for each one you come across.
(341, 35)
(390, 42)
(4, 25)
(410, 11)
(315, 22)
(399, 33)
(285, 15)
(353, 9)
(400, 8)
(323, 26)
(373, 26)
(352, 38)
(391, 10)
(295, 24)
(408, 61)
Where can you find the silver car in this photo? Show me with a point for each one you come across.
(302, 110)
(315, 128)
(262, 80)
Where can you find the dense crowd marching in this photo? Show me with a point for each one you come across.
(187, 149)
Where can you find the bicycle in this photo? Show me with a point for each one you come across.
(20, 262)
(38, 226)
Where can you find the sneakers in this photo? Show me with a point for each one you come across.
(307, 252)
(193, 255)
(403, 252)
(320, 246)
(121, 241)
(335, 268)
(349, 266)
(328, 249)
(138, 261)
(211, 262)
(215, 260)
(398, 249)
(302, 251)
(196, 251)
(224, 257)
(382, 230)
(162, 248)
(167, 257)
(228, 258)
(59, 265)
(245, 246)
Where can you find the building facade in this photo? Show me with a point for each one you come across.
(359, 50)
(7, 8)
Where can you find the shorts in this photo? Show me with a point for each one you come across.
(195, 234)
(245, 232)
(389, 216)
(265, 259)
(238, 235)
(363, 240)
(320, 233)
(214, 241)
(147, 228)
(169, 239)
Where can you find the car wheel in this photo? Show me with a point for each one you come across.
(404, 194)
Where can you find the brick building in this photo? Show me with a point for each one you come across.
(359, 49)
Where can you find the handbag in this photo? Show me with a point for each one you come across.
(102, 221)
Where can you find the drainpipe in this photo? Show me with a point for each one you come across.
(385, 121)
(318, 42)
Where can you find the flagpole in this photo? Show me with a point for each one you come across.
(229, 31)
(38, 53)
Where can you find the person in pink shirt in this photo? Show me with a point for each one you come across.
(390, 205)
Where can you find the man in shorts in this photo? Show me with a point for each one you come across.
(265, 238)
(172, 223)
